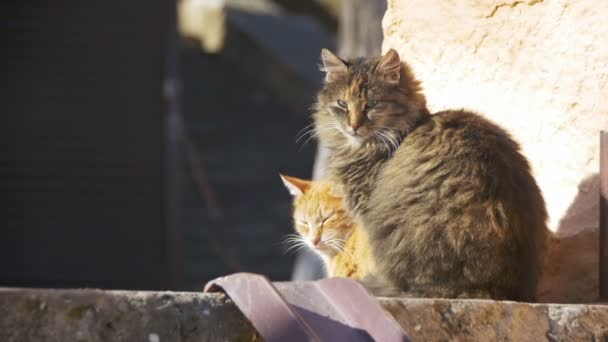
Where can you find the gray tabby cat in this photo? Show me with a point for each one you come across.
(448, 200)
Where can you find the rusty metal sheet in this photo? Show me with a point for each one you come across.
(332, 309)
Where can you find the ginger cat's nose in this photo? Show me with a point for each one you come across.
(315, 241)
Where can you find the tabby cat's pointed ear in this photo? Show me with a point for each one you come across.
(295, 186)
(332, 65)
(390, 67)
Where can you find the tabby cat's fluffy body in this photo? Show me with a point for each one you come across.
(448, 200)
(324, 226)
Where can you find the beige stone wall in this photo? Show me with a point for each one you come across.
(538, 68)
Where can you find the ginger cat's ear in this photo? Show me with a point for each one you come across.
(390, 67)
(332, 65)
(295, 186)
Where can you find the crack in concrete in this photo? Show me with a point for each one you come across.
(512, 5)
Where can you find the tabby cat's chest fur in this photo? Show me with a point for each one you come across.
(355, 172)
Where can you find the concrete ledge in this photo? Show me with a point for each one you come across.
(95, 315)
(487, 320)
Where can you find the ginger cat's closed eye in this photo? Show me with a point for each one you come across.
(323, 225)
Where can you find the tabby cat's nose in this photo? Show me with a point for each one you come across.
(352, 129)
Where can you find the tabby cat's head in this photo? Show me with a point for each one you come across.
(367, 100)
(319, 216)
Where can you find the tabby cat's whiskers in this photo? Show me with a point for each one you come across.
(384, 140)
(315, 131)
(387, 133)
(304, 131)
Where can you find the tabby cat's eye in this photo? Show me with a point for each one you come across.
(342, 104)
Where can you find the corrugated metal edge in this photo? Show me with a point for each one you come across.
(354, 316)
(264, 306)
(361, 309)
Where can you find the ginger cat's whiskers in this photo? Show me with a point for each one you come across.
(293, 243)
(295, 248)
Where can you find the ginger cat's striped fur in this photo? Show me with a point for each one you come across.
(323, 225)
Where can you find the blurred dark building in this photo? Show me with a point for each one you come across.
(131, 160)
(85, 156)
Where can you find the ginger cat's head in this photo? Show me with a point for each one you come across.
(319, 216)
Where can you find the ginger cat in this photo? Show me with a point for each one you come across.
(323, 225)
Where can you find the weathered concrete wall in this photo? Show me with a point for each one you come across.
(94, 315)
(538, 68)
(486, 320)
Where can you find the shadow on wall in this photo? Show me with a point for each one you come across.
(571, 274)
